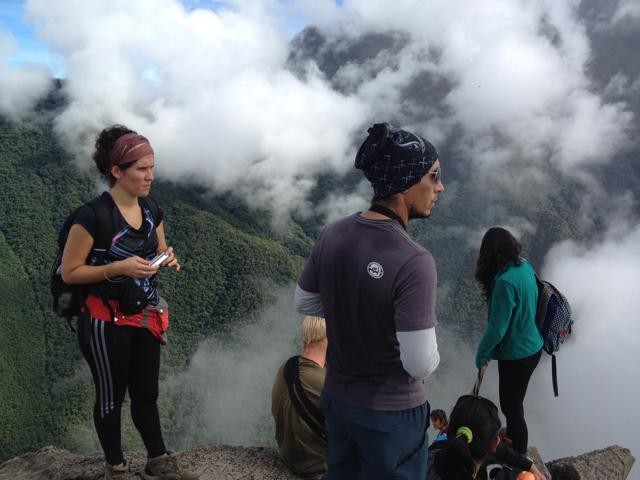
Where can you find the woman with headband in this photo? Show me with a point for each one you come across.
(473, 449)
(124, 319)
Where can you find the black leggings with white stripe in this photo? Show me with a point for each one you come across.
(123, 358)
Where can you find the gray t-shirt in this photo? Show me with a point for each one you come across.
(374, 281)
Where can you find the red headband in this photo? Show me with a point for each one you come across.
(129, 148)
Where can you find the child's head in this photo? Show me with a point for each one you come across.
(439, 420)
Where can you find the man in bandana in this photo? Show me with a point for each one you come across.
(376, 288)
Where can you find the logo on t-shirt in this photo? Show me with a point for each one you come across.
(375, 270)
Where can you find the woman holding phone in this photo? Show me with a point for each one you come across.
(124, 318)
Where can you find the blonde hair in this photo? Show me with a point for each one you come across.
(314, 330)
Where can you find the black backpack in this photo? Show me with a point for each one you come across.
(69, 299)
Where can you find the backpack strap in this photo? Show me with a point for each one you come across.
(103, 208)
(554, 375)
(150, 203)
(311, 414)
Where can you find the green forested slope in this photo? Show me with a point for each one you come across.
(22, 356)
(227, 253)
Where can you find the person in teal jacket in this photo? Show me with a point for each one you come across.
(509, 286)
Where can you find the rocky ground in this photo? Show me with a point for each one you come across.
(611, 463)
(219, 463)
(249, 463)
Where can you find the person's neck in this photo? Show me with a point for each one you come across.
(122, 198)
(395, 204)
(315, 353)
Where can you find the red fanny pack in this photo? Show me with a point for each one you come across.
(155, 319)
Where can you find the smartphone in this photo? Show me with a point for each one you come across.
(158, 259)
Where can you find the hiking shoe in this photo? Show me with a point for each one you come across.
(166, 467)
(113, 472)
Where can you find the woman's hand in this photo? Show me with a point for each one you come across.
(134, 267)
(172, 260)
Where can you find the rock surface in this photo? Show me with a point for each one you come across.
(212, 463)
(534, 455)
(249, 463)
(611, 463)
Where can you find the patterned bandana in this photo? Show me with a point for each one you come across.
(394, 160)
(129, 148)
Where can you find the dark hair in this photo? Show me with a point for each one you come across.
(480, 415)
(439, 415)
(498, 249)
(105, 141)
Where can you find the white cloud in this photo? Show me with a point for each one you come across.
(212, 91)
(209, 89)
(594, 132)
(20, 88)
(336, 206)
(224, 396)
(626, 10)
(596, 406)
(517, 69)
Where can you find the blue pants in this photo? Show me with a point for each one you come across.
(372, 444)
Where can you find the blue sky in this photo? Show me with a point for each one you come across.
(14, 20)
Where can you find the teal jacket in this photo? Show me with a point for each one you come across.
(511, 331)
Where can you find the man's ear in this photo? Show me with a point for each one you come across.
(494, 445)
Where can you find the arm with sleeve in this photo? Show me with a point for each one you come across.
(308, 303)
(419, 352)
(503, 301)
(307, 295)
(415, 318)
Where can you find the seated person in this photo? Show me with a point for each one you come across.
(473, 449)
(439, 423)
(295, 403)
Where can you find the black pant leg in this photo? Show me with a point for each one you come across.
(143, 390)
(106, 349)
(514, 379)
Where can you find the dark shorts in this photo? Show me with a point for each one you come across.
(372, 444)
